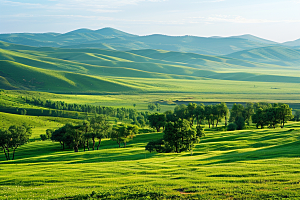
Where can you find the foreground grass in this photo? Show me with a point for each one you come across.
(250, 164)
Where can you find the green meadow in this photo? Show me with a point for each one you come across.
(110, 68)
(248, 164)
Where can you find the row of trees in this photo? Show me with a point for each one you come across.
(263, 114)
(12, 138)
(91, 131)
(200, 113)
(137, 118)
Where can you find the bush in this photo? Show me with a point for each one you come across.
(240, 122)
(43, 137)
(232, 127)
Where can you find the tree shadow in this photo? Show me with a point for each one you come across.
(290, 150)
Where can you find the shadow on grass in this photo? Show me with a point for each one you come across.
(290, 150)
(47, 151)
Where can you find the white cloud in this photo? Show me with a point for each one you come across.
(87, 5)
(16, 3)
(238, 19)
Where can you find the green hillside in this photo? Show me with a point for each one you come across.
(32, 78)
(100, 70)
(277, 55)
(109, 38)
(255, 39)
(261, 164)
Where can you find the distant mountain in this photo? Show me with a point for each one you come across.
(292, 43)
(255, 39)
(109, 38)
(272, 55)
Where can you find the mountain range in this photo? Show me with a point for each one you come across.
(109, 38)
(108, 60)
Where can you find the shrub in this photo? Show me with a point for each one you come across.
(43, 137)
(232, 127)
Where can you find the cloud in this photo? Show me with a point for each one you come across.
(87, 5)
(238, 19)
(16, 3)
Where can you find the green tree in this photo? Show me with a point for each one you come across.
(248, 112)
(297, 115)
(285, 114)
(180, 111)
(157, 120)
(151, 106)
(76, 135)
(240, 123)
(259, 118)
(59, 136)
(43, 137)
(179, 136)
(124, 133)
(200, 113)
(100, 128)
(14, 137)
(49, 133)
(191, 113)
(237, 110)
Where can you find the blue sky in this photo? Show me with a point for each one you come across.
(277, 20)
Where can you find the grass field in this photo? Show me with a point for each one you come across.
(249, 164)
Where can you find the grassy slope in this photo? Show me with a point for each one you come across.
(273, 55)
(109, 38)
(253, 164)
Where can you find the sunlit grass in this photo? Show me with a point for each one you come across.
(253, 164)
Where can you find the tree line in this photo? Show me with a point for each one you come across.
(180, 133)
(137, 118)
(91, 131)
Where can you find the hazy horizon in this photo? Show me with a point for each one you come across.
(274, 20)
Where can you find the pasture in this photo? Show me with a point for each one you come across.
(244, 164)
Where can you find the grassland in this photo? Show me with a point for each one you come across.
(142, 71)
(250, 164)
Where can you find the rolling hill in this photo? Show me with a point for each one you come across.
(109, 38)
(100, 70)
(273, 55)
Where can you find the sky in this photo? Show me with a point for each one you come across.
(277, 20)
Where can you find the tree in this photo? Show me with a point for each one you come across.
(209, 114)
(179, 136)
(157, 120)
(181, 111)
(191, 113)
(285, 113)
(99, 129)
(49, 133)
(200, 113)
(156, 146)
(14, 137)
(248, 112)
(157, 106)
(43, 137)
(223, 109)
(151, 106)
(297, 115)
(124, 133)
(259, 118)
(240, 123)
(76, 135)
(59, 136)
(170, 116)
(237, 110)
